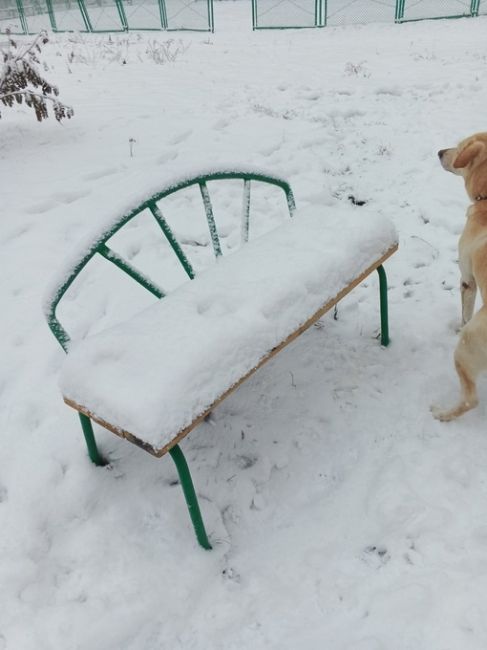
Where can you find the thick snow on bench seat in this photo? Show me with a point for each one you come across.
(153, 375)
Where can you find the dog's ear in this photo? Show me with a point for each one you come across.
(466, 156)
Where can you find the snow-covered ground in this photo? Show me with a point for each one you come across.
(342, 515)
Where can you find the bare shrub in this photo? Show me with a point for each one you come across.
(21, 81)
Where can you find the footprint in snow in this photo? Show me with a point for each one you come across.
(376, 556)
(245, 461)
(229, 573)
(57, 199)
(270, 149)
(180, 137)
(100, 173)
(72, 196)
(222, 123)
(166, 157)
(394, 91)
(312, 96)
(41, 207)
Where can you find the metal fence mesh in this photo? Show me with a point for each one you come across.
(104, 15)
(187, 14)
(10, 18)
(339, 12)
(299, 13)
(30, 16)
(36, 15)
(144, 14)
(285, 13)
(421, 9)
(68, 16)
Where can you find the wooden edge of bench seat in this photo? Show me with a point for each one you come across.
(184, 432)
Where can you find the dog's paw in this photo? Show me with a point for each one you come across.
(455, 325)
(440, 414)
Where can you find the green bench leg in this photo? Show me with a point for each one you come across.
(183, 472)
(384, 313)
(190, 496)
(93, 452)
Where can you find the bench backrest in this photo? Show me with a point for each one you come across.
(98, 244)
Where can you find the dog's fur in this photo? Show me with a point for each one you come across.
(469, 159)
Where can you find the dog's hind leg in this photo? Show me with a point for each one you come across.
(470, 361)
(468, 290)
(468, 400)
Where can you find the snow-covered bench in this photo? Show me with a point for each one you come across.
(153, 378)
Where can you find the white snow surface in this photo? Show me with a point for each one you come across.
(342, 515)
(156, 373)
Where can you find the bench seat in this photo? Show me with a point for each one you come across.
(154, 377)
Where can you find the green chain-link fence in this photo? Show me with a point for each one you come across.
(30, 16)
(280, 14)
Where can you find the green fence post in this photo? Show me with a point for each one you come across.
(399, 11)
(211, 17)
(163, 13)
(121, 14)
(85, 16)
(52, 18)
(23, 21)
(254, 15)
(474, 7)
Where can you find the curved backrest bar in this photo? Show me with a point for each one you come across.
(98, 243)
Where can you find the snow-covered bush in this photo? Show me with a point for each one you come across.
(165, 51)
(131, 48)
(21, 81)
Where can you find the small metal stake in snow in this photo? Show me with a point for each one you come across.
(132, 141)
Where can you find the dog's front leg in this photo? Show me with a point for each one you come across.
(468, 290)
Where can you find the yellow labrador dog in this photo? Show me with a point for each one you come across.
(469, 159)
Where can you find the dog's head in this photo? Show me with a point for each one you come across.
(469, 159)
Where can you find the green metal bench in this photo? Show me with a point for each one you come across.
(98, 246)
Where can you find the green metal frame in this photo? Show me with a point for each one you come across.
(121, 13)
(321, 15)
(23, 21)
(20, 16)
(163, 13)
(124, 22)
(210, 19)
(52, 17)
(151, 205)
(118, 4)
(162, 18)
(401, 7)
(51, 12)
(384, 309)
(100, 248)
(320, 11)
